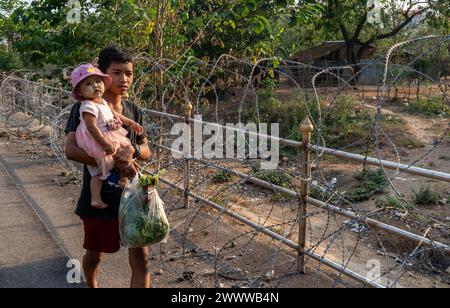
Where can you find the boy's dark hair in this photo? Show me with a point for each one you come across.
(113, 54)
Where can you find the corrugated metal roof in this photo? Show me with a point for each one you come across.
(321, 50)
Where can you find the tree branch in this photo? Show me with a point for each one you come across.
(344, 30)
(359, 28)
(395, 31)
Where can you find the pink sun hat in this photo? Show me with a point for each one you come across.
(84, 71)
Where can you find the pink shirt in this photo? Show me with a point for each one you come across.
(102, 112)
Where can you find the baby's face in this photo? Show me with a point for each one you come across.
(91, 87)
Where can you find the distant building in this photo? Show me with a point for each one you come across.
(330, 53)
(325, 54)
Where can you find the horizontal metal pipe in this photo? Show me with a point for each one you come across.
(288, 142)
(387, 164)
(371, 222)
(441, 176)
(344, 270)
(280, 238)
(380, 226)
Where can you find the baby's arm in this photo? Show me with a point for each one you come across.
(91, 125)
(130, 123)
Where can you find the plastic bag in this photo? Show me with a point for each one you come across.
(142, 219)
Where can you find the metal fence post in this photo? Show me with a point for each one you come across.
(306, 129)
(187, 171)
(41, 107)
(60, 96)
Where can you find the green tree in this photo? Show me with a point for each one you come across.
(350, 19)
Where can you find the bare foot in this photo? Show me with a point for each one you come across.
(99, 205)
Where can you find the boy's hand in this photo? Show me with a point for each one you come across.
(109, 149)
(138, 129)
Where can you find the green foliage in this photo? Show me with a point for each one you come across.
(254, 28)
(10, 61)
(149, 180)
(278, 197)
(432, 106)
(41, 34)
(267, 95)
(349, 19)
(344, 123)
(221, 177)
(39, 31)
(142, 218)
(370, 183)
(390, 202)
(275, 177)
(427, 197)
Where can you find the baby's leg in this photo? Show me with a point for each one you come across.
(96, 189)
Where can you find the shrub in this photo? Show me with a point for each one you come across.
(221, 177)
(344, 124)
(10, 61)
(275, 177)
(429, 106)
(370, 183)
(390, 202)
(426, 196)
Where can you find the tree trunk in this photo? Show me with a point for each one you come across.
(159, 48)
(418, 89)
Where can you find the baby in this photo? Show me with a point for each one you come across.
(100, 133)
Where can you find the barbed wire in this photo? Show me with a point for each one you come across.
(235, 254)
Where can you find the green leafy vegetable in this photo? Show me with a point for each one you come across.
(142, 218)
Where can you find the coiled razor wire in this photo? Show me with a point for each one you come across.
(214, 250)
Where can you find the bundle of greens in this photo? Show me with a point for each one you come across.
(149, 180)
(142, 218)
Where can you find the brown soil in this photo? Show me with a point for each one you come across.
(420, 272)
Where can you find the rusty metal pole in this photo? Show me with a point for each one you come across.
(306, 129)
(41, 107)
(60, 96)
(187, 171)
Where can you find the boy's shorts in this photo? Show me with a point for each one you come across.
(101, 235)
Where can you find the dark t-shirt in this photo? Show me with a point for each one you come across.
(111, 194)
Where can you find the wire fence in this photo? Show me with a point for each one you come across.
(250, 227)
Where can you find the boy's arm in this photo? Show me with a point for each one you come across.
(71, 148)
(73, 152)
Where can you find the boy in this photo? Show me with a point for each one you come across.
(101, 227)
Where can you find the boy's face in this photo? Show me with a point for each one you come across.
(91, 88)
(122, 77)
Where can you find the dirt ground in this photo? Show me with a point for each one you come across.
(432, 271)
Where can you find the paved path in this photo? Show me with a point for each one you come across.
(38, 214)
(29, 255)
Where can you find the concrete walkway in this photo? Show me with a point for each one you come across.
(29, 255)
